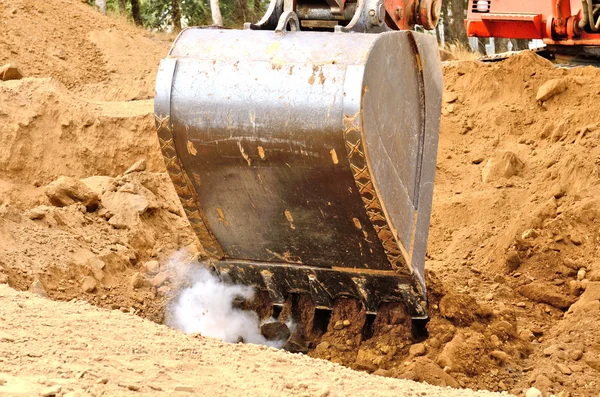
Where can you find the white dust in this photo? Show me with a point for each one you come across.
(205, 306)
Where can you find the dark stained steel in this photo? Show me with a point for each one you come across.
(305, 160)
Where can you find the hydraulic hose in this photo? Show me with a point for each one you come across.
(589, 16)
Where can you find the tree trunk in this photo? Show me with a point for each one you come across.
(501, 45)
(122, 7)
(243, 10)
(447, 22)
(216, 13)
(101, 4)
(176, 15)
(481, 46)
(458, 22)
(520, 44)
(135, 12)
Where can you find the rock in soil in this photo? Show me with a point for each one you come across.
(152, 267)
(425, 370)
(275, 331)
(368, 359)
(98, 184)
(116, 202)
(66, 191)
(386, 373)
(38, 288)
(543, 293)
(37, 212)
(184, 388)
(159, 279)
(139, 166)
(533, 392)
(551, 88)
(593, 360)
(339, 325)
(503, 165)
(458, 308)
(542, 382)
(416, 350)
(51, 391)
(295, 344)
(10, 71)
(88, 284)
(137, 281)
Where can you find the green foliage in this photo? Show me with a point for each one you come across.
(156, 14)
(112, 6)
(196, 12)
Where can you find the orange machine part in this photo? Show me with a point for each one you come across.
(405, 14)
(554, 21)
(401, 14)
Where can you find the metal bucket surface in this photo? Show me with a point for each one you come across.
(305, 160)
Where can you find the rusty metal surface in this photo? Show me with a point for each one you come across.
(306, 152)
(324, 284)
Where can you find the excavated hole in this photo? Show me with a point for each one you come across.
(419, 329)
(321, 320)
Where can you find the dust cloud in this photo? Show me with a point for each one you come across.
(205, 306)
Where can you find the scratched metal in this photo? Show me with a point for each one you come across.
(272, 131)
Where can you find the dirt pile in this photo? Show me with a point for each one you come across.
(88, 351)
(114, 252)
(516, 211)
(47, 132)
(94, 56)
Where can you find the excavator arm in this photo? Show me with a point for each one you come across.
(566, 27)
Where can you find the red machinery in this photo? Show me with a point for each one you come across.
(566, 26)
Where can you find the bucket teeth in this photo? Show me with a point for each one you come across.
(323, 285)
(274, 293)
(225, 277)
(366, 298)
(318, 292)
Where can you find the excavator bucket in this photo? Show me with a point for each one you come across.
(305, 161)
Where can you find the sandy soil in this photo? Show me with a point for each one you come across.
(87, 351)
(97, 58)
(513, 268)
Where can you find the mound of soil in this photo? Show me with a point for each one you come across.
(94, 56)
(46, 132)
(71, 348)
(516, 214)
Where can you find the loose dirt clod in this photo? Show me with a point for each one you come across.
(51, 391)
(10, 71)
(275, 331)
(533, 392)
(66, 191)
(551, 88)
(88, 284)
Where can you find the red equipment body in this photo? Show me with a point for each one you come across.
(556, 22)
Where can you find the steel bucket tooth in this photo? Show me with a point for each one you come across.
(305, 160)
